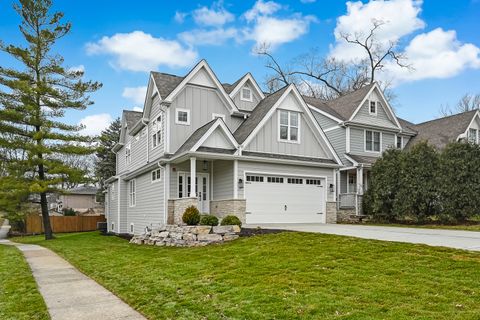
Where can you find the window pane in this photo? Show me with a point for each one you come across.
(284, 117)
(283, 132)
(377, 146)
(368, 136)
(182, 116)
(293, 134)
(294, 119)
(368, 145)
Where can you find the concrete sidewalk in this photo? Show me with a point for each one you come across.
(68, 293)
(467, 240)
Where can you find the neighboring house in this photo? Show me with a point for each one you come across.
(227, 149)
(361, 126)
(81, 199)
(439, 132)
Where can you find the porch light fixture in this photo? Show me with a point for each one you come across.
(205, 165)
(331, 187)
(240, 183)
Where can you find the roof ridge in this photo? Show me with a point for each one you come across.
(446, 117)
(168, 74)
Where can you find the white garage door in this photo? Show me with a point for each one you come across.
(282, 199)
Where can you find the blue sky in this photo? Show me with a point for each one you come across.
(117, 42)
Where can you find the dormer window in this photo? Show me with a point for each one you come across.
(182, 116)
(246, 94)
(373, 108)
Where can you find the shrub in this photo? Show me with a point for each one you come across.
(68, 212)
(231, 220)
(209, 220)
(191, 216)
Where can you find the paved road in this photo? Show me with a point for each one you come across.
(467, 240)
(68, 293)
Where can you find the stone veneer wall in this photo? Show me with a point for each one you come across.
(176, 208)
(331, 212)
(222, 208)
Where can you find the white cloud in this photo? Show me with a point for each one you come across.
(136, 94)
(400, 18)
(262, 8)
(208, 37)
(180, 16)
(94, 124)
(139, 51)
(138, 109)
(436, 54)
(216, 15)
(80, 67)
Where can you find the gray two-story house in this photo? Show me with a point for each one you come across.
(224, 148)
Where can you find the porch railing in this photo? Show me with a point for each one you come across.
(351, 201)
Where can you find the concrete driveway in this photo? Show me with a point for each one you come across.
(467, 240)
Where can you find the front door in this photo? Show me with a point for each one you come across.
(351, 182)
(201, 187)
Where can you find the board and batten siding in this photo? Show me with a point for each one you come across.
(304, 171)
(246, 105)
(202, 103)
(357, 142)
(323, 121)
(149, 209)
(267, 140)
(222, 187)
(381, 119)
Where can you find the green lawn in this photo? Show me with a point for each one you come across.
(19, 297)
(281, 276)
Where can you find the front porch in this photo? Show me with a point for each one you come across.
(214, 190)
(353, 183)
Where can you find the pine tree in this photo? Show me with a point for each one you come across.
(33, 100)
(105, 163)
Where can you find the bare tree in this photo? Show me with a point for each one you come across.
(328, 78)
(466, 103)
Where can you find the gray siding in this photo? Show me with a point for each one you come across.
(158, 151)
(248, 166)
(222, 187)
(357, 142)
(337, 138)
(266, 140)
(380, 119)
(323, 121)
(246, 105)
(202, 103)
(111, 206)
(138, 152)
(149, 209)
(123, 206)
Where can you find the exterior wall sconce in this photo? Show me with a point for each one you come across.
(331, 187)
(240, 183)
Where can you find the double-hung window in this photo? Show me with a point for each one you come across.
(156, 175)
(372, 141)
(473, 135)
(132, 196)
(289, 124)
(182, 116)
(373, 107)
(157, 131)
(399, 142)
(128, 154)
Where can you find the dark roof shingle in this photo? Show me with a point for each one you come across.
(194, 137)
(132, 117)
(166, 83)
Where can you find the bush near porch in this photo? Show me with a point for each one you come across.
(423, 185)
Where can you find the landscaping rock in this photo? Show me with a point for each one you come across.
(202, 230)
(226, 229)
(212, 237)
(189, 237)
(230, 237)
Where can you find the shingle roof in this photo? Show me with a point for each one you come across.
(132, 117)
(229, 87)
(83, 190)
(342, 107)
(362, 159)
(287, 157)
(260, 111)
(407, 126)
(440, 132)
(194, 137)
(166, 82)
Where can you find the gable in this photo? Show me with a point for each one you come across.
(475, 124)
(202, 78)
(311, 143)
(218, 139)
(383, 117)
(243, 104)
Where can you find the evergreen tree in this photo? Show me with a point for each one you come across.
(106, 159)
(34, 98)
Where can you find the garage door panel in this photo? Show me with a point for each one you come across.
(284, 202)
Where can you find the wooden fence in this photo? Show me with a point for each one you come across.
(34, 223)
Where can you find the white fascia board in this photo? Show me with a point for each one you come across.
(471, 122)
(326, 114)
(355, 163)
(191, 74)
(245, 78)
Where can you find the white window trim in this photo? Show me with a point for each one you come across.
(370, 109)
(476, 135)
(157, 126)
(185, 123)
(373, 141)
(128, 159)
(288, 132)
(156, 180)
(401, 142)
(243, 98)
(218, 115)
(131, 203)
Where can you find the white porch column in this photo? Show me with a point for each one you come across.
(193, 177)
(360, 180)
(235, 179)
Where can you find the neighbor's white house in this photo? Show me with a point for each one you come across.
(232, 149)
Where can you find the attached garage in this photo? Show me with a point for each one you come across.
(285, 199)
